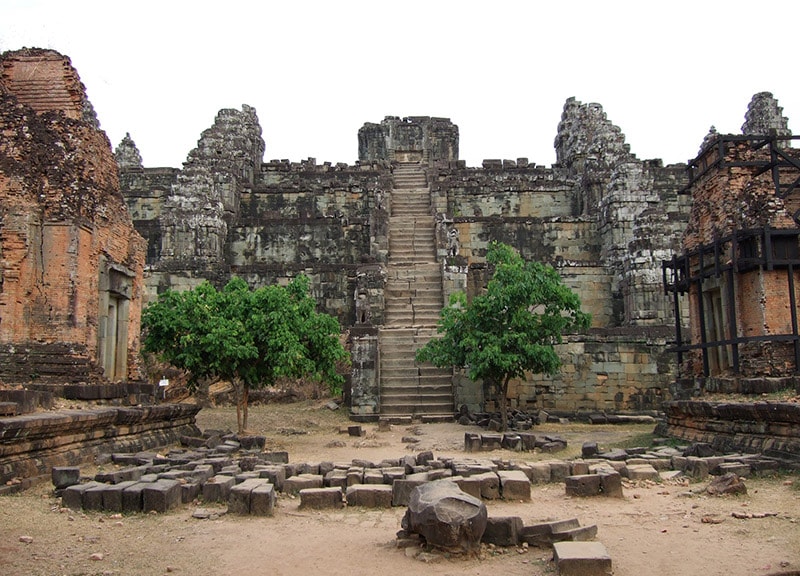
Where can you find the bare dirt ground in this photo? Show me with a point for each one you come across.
(655, 529)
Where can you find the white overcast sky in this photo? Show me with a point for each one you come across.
(316, 71)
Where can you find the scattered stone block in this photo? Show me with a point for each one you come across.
(471, 485)
(642, 472)
(64, 476)
(514, 485)
(581, 559)
(491, 442)
(502, 531)
(190, 491)
(402, 488)
(369, 496)
(93, 497)
(446, 517)
(373, 476)
(583, 485)
(161, 496)
(239, 497)
(295, 484)
(542, 534)
(133, 497)
(727, 484)
(275, 474)
(737, 468)
(490, 485)
(611, 484)
(218, 488)
(112, 497)
(579, 534)
(578, 467)
(72, 496)
(539, 472)
(262, 500)
(321, 498)
(558, 471)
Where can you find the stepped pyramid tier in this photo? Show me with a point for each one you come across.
(413, 303)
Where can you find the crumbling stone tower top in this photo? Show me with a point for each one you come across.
(410, 139)
(765, 118)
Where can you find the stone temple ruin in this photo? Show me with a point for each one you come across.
(387, 240)
(665, 258)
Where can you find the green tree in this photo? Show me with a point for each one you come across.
(509, 329)
(249, 337)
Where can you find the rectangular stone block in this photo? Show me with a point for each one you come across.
(374, 476)
(63, 476)
(321, 498)
(218, 488)
(112, 497)
(93, 497)
(470, 485)
(579, 534)
(72, 496)
(541, 534)
(295, 484)
(611, 484)
(402, 487)
(502, 530)
(275, 474)
(369, 495)
(538, 472)
(239, 497)
(559, 470)
(581, 559)
(642, 472)
(583, 485)
(514, 485)
(132, 497)
(490, 485)
(161, 496)
(190, 491)
(262, 500)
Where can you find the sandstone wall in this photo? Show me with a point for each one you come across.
(32, 444)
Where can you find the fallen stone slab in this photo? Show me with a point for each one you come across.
(294, 484)
(641, 472)
(446, 517)
(541, 534)
(581, 559)
(321, 498)
(490, 485)
(133, 497)
(578, 534)
(369, 495)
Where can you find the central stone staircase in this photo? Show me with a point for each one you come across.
(413, 302)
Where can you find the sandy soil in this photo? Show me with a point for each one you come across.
(655, 529)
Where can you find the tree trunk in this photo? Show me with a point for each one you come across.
(245, 398)
(504, 404)
(236, 383)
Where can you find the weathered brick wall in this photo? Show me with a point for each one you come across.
(63, 224)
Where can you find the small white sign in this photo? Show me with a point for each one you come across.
(163, 382)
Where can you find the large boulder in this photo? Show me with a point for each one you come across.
(447, 517)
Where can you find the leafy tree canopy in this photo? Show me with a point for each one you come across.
(511, 328)
(250, 337)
